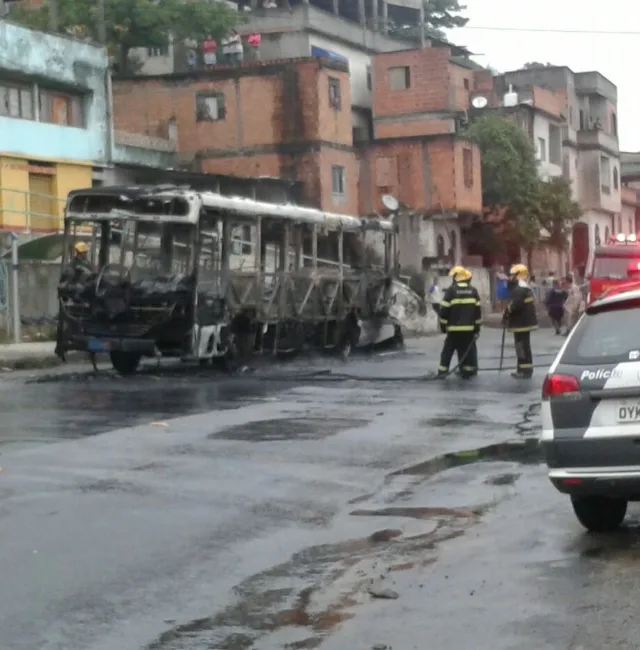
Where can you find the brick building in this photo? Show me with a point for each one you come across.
(417, 154)
(286, 119)
(292, 119)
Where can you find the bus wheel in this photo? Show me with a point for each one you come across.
(125, 363)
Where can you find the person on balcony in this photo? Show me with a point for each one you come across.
(209, 49)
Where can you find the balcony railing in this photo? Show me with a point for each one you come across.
(598, 139)
(30, 212)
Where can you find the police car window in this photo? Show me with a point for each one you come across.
(607, 337)
(611, 267)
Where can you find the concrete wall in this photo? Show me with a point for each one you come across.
(38, 284)
(359, 65)
(62, 62)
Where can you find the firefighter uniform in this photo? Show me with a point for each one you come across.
(460, 318)
(520, 319)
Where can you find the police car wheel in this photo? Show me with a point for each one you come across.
(599, 514)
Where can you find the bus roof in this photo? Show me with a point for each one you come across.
(94, 203)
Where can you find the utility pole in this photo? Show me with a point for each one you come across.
(102, 26)
(423, 20)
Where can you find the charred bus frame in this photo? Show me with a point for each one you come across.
(233, 276)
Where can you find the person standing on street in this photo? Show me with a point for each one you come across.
(520, 319)
(461, 319)
(434, 296)
(554, 302)
(573, 304)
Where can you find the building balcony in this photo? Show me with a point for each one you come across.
(54, 142)
(598, 139)
(594, 83)
(309, 18)
(30, 212)
(143, 150)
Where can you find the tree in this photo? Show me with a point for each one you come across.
(439, 16)
(134, 23)
(518, 206)
(535, 65)
(558, 211)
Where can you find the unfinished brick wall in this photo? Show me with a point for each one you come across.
(424, 174)
(429, 82)
(278, 121)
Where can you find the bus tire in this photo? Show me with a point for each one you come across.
(125, 363)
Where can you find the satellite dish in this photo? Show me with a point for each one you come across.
(390, 202)
(479, 102)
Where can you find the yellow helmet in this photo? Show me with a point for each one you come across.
(81, 247)
(520, 271)
(460, 274)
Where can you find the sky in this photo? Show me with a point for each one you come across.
(603, 37)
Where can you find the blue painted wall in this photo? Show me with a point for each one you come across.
(43, 58)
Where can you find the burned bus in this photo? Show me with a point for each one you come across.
(173, 272)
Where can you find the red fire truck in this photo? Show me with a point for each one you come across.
(613, 265)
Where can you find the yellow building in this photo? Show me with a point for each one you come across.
(33, 192)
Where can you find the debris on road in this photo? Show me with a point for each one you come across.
(378, 590)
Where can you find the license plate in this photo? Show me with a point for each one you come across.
(97, 345)
(629, 412)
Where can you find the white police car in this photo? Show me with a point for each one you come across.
(591, 412)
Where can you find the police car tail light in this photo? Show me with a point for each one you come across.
(555, 385)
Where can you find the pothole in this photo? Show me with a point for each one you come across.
(288, 429)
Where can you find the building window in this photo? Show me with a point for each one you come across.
(614, 125)
(210, 107)
(399, 78)
(555, 145)
(335, 97)
(158, 51)
(582, 120)
(369, 78)
(61, 108)
(16, 101)
(615, 178)
(542, 149)
(467, 167)
(338, 181)
(605, 174)
(466, 84)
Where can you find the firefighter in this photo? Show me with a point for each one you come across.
(460, 318)
(520, 319)
(79, 270)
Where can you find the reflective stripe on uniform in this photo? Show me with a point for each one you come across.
(528, 300)
(516, 330)
(525, 365)
(442, 368)
(464, 301)
(444, 303)
(479, 322)
(444, 321)
(461, 328)
(469, 368)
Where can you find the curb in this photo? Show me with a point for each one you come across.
(39, 363)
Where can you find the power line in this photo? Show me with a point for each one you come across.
(551, 31)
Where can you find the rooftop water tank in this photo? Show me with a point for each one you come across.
(510, 98)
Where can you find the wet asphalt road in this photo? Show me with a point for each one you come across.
(185, 511)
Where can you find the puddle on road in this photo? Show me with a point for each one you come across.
(307, 596)
(280, 429)
(85, 409)
(525, 452)
(418, 512)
